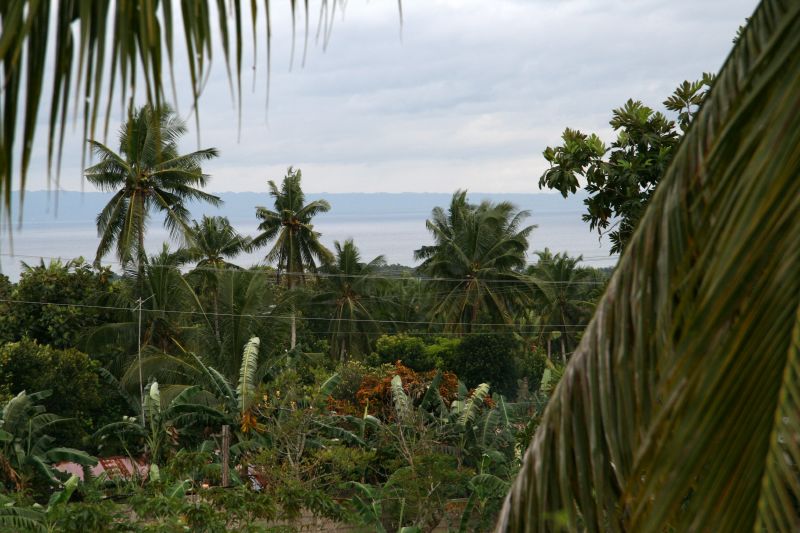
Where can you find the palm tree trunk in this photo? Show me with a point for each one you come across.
(290, 285)
(140, 264)
(473, 317)
(216, 317)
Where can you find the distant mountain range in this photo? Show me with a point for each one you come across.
(393, 225)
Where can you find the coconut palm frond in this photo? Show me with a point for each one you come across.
(101, 50)
(679, 409)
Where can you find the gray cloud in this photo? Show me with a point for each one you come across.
(469, 97)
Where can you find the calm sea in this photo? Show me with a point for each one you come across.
(380, 223)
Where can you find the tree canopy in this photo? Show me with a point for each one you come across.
(147, 174)
(620, 179)
(475, 260)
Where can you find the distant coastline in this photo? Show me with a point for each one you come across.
(389, 224)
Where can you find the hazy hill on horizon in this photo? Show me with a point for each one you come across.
(389, 224)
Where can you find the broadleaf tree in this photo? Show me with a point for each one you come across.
(620, 179)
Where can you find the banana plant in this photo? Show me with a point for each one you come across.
(214, 402)
(14, 518)
(26, 448)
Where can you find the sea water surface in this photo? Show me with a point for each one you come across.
(62, 225)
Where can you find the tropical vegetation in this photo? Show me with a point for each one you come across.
(349, 392)
(146, 174)
(476, 390)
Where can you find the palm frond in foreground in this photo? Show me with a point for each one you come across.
(680, 410)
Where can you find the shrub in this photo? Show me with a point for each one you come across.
(59, 325)
(410, 350)
(101, 516)
(419, 494)
(6, 325)
(443, 351)
(72, 376)
(351, 374)
(376, 391)
(488, 358)
(530, 366)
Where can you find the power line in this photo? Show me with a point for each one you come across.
(288, 317)
(589, 258)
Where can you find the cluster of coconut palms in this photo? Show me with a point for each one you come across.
(472, 278)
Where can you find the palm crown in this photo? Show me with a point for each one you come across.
(213, 241)
(146, 174)
(348, 283)
(563, 294)
(297, 246)
(475, 261)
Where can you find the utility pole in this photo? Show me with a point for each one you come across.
(139, 303)
(139, 342)
(294, 330)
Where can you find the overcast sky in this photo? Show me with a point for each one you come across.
(467, 98)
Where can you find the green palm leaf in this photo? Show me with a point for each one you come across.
(678, 410)
(327, 386)
(56, 455)
(474, 262)
(468, 409)
(402, 403)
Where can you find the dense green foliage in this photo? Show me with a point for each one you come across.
(475, 261)
(346, 288)
(78, 391)
(410, 350)
(488, 358)
(680, 408)
(357, 392)
(75, 295)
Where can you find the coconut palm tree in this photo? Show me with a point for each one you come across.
(562, 296)
(249, 304)
(212, 242)
(146, 174)
(347, 291)
(164, 326)
(297, 248)
(475, 260)
(680, 409)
